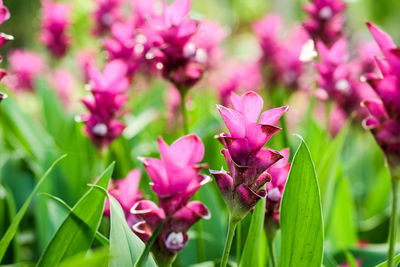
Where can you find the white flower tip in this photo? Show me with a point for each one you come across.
(136, 228)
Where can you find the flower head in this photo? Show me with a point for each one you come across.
(108, 95)
(55, 22)
(175, 179)
(326, 20)
(384, 119)
(182, 47)
(245, 155)
(4, 15)
(107, 12)
(24, 68)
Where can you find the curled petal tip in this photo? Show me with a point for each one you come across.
(135, 210)
(206, 179)
(136, 227)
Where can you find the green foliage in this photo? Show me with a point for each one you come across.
(301, 218)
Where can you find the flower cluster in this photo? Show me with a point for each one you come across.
(281, 57)
(384, 119)
(175, 179)
(246, 158)
(4, 15)
(55, 22)
(126, 192)
(279, 173)
(326, 20)
(108, 95)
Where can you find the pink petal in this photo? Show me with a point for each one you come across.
(157, 173)
(272, 116)
(234, 121)
(128, 189)
(264, 158)
(257, 134)
(187, 150)
(148, 211)
(252, 104)
(224, 182)
(178, 11)
(383, 39)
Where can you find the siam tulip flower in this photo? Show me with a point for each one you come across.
(326, 20)
(4, 13)
(244, 153)
(281, 57)
(267, 31)
(175, 179)
(366, 52)
(246, 76)
(126, 192)
(55, 23)
(279, 173)
(108, 91)
(384, 119)
(107, 12)
(143, 11)
(246, 157)
(183, 48)
(24, 68)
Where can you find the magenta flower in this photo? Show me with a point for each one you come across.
(281, 57)
(107, 12)
(244, 77)
(126, 192)
(245, 155)
(55, 23)
(4, 15)
(108, 91)
(175, 179)
(384, 119)
(279, 173)
(24, 68)
(326, 20)
(182, 48)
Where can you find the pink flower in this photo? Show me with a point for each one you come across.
(126, 192)
(279, 173)
(108, 97)
(244, 77)
(182, 48)
(384, 119)
(24, 68)
(4, 13)
(107, 12)
(245, 155)
(175, 179)
(86, 60)
(281, 56)
(326, 20)
(55, 22)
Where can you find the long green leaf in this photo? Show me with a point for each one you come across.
(98, 258)
(125, 246)
(396, 261)
(78, 230)
(8, 236)
(301, 215)
(251, 251)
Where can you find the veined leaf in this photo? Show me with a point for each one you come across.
(125, 246)
(251, 251)
(8, 236)
(301, 215)
(78, 230)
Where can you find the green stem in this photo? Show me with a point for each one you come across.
(393, 218)
(231, 232)
(184, 112)
(238, 242)
(145, 253)
(201, 251)
(270, 239)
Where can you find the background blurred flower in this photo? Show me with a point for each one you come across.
(107, 12)
(55, 22)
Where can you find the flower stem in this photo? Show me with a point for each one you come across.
(393, 217)
(238, 242)
(270, 239)
(231, 232)
(184, 112)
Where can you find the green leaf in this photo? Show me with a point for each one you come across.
(125, 246)
(301, 215)
(98, 258)
(396, 261)
(11, 231)
(78, 230)
(251, 250)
